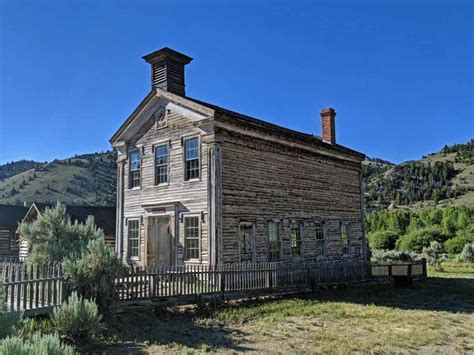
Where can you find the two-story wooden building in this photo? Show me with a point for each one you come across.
(201, 184)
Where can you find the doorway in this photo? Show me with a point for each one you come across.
(159, 246)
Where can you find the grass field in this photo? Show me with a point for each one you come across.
(436, 316)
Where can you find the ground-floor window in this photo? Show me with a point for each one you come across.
(345, 238)
(191, 237)
(320, 242)
(274, 241)
(247, 240)
(296, 240)
(133, 238)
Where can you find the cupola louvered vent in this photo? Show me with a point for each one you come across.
(167, 68)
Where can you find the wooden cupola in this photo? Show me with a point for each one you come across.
(167, 70)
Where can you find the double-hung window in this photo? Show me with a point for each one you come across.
(296, 241)
(161, 164)
(191, 159)
(274, 241)
(320, 247)
(345, 238)
(191, 237)
(133, 238)
(135, 164)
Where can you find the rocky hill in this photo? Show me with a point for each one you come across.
(442, 178)
(88, 179)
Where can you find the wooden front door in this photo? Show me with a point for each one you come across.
(159, 246)
(247, 242)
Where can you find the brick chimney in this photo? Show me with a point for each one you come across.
(167, 70)
(328, 118)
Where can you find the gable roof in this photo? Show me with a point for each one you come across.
(11, 216)
(236, 117)
(104, 217)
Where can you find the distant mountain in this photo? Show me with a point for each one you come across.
(16, 167)
(88, 179)
(444, 177)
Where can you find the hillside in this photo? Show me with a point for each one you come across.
(442, 178)
(88, 179)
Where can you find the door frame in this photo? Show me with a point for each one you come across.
(168, 210)
(253, 238)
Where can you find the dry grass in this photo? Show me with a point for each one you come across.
(436, 316)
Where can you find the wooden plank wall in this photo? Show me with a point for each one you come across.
(263, 180)
(192, 196)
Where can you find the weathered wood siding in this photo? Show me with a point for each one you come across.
(8, 242)
(264, 180)
(191, 196)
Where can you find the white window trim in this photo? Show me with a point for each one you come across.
(199, 217)
(138, 219)
(156, 145)
(183, 146)
(139, 150)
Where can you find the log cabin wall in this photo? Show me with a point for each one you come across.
(264, 180)
(188, 197)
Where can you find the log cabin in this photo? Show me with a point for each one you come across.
(200, 184)
(10, 218)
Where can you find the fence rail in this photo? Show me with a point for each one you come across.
(37, 289)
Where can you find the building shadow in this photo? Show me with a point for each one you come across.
(452, 295)
(176, 329)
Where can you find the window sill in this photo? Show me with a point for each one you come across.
(193, 261)
(134, 188)
(164, 184)
(192, 180)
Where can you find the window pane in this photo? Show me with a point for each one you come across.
(344, 238)
(161, 163)
(134, 160)
(191, 238)
(133, 238)
(274, 245)
(295, 235)
(319, 238)
(191, 148)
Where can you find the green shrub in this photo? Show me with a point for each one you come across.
(456, 244)
(93, 274)
(8, 321)
(380, 256)
(467, 253)
(78, 318)
(419, 239)
(37, 345)
(30, 326)
(435, 255)
(383, 239)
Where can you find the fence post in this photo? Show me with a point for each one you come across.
(222, 284)
(423, 264)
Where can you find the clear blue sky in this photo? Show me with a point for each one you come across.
(399, 74)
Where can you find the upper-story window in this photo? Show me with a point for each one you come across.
(191, 158)
(135, 162)
(161, 164)
(274, 241)
(296, 241)
(345, 238)
(320, 242)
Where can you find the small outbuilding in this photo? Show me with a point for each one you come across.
(10, 218)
